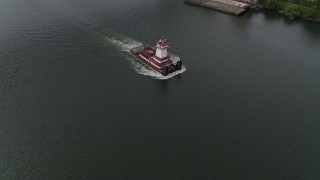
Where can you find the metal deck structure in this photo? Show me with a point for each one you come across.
(227, 6)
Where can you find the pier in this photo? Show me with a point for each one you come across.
(227, 6)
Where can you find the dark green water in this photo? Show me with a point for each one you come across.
(75, 105)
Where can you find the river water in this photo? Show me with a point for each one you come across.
(74, 104)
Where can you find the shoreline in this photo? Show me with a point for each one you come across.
(260, 7)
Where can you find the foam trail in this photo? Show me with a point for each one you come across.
(122, 43)
(125, 44)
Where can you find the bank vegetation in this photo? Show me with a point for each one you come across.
(308, 9)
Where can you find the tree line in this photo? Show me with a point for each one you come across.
(295, 8)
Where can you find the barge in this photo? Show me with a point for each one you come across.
(227, 6)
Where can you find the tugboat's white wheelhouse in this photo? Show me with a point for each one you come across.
(161, 53)
(162, 45)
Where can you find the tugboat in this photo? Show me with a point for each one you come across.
(158, 59)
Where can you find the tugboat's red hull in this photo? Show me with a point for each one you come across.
(163, 66)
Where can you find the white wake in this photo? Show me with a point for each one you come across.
(125, 44)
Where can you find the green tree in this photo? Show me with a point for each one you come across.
(274, 4)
